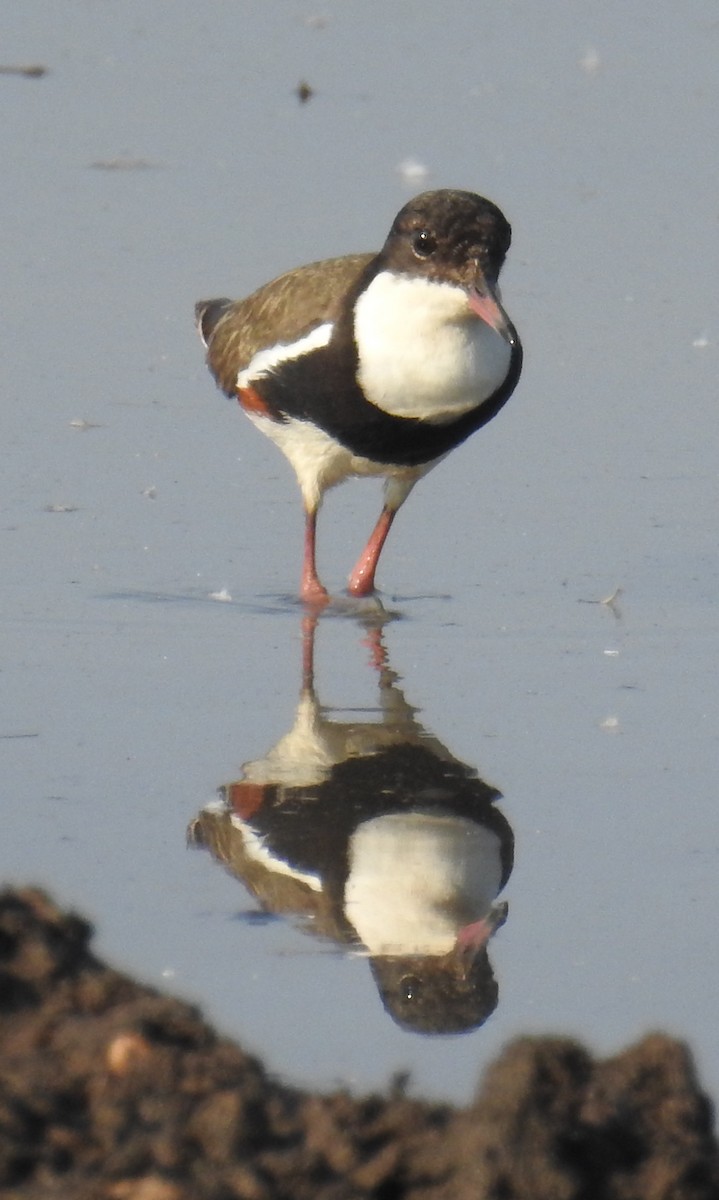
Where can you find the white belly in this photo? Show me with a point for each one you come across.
(321, 463)
(422, 351)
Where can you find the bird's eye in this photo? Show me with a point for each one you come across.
(423, 243)
(410, 987)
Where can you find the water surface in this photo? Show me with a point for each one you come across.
(165, 156)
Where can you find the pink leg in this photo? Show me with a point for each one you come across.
(311, 590)
(309, 628)
(376, 647)
(361, 581)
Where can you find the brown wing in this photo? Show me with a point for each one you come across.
(279, 313)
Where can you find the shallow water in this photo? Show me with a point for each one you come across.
(133, 495)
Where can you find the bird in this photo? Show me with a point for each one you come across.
(374, 364)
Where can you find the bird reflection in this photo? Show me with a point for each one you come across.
(377, 837)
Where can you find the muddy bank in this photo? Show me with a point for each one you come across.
(108, 1089)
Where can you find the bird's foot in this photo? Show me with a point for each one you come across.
(313, 594)
(361, 585)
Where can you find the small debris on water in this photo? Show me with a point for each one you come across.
(33, 71)
(612, 598)
(83, 425)
(304, 92)
(611, 601)
(60, 508)
(590, 62)
(123, 163)
(412, 170)
(223, 595)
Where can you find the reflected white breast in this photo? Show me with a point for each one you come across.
(422, 351)
(416, 878)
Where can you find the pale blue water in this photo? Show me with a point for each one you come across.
(129, 696)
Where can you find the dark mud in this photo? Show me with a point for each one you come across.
(108, 1089)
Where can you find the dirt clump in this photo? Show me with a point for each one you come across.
(110, 1091)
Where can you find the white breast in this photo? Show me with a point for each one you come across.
(422, 351)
